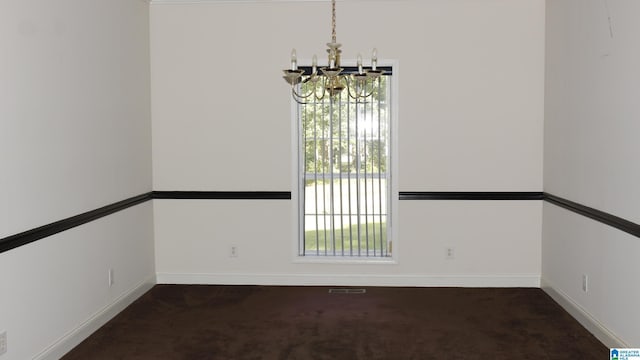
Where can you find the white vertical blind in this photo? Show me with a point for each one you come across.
(344, 178)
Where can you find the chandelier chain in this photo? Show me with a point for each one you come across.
(333, 21)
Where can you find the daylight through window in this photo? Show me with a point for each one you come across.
(344, 176)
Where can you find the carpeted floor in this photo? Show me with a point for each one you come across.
(257, 322)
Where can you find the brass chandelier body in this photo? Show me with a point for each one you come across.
(331, 80)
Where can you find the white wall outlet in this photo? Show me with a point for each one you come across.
(450, 253)
(233, 251)
(3, 342)
(585, 283)
(111, 279)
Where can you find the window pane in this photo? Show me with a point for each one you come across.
(345, 184)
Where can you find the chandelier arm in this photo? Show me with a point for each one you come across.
(298, 99)
(324, 89)
(358, 95)
(303, 98)
(300, 95)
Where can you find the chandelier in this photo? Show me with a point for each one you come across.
(332, 79)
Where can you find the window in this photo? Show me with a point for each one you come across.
(344, 176)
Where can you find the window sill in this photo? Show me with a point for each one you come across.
(344, 260)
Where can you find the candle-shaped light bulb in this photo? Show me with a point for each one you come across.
(374, 59)
(360, 64)
(314, 64)
(294, 60)
(332, 60)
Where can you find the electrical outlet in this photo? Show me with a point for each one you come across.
(111, 280)
(3, 342)
(233, 251)
(585, 283)
(450, 253)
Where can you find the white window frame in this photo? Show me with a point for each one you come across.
(392, 220)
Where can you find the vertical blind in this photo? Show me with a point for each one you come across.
(345, 178)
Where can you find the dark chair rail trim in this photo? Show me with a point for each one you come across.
(223, 195)
(601, 216)
(470, 195)
(29, 236)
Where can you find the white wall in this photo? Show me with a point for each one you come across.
(470, 81)
(55, 292)
(74, 136)
(591, 157)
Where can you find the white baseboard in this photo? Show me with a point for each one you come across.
(489, 280)
(601, 332)
(77, 335)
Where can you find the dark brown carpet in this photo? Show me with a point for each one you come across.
(256, 322)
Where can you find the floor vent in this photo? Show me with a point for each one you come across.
(347, 291)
